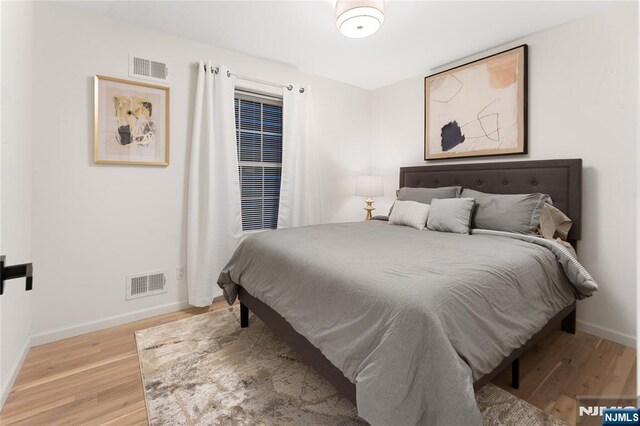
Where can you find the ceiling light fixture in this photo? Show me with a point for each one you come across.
(359, 18)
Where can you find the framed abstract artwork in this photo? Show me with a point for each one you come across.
(131, 122)
(478, 109)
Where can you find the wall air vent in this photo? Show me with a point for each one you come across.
(146, 284)
(147, 69)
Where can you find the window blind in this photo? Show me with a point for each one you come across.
(259, 139)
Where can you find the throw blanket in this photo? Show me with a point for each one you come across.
(411, 317)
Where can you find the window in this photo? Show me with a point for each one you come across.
(259, 139)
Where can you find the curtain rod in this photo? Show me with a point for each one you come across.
(254, 80)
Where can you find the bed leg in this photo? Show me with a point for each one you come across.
(515, 373)
(244, 316)
(569, 323)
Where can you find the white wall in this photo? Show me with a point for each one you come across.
(15, 184)
(583, 85)
(94, 224)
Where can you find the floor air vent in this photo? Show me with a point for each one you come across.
(146, 284)
(147, 68)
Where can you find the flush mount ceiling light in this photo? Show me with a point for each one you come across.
(357, 19)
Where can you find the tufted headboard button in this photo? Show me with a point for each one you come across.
(436, 182)
(505, 183)
(534, 183)
(479, 182)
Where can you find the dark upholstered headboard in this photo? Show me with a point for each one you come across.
(561, 179)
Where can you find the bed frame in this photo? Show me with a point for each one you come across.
(561, 179)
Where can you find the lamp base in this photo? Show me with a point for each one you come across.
(369, 208)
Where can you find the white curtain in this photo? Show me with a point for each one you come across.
(300, 190)
(214, 222)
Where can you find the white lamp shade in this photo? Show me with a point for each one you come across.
(359, 18)
(369, 186)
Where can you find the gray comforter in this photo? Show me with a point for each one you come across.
(411, 317)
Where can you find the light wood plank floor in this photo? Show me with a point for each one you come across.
(94, 379)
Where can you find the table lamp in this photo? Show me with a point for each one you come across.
(369, 186)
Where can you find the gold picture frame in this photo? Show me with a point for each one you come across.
(131, 122)
(478, 109)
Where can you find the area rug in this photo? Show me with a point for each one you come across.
(206, 370)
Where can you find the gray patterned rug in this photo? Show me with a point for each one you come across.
(206, 370)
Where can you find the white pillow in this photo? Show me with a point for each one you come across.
(410, 213)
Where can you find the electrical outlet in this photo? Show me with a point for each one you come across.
(180, 272)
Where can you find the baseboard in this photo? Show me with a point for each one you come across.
(13, 373)
(607, 333)
(88, 327)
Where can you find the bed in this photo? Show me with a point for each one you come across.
(351, 299)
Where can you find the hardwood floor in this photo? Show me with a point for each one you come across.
(94, 379)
